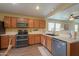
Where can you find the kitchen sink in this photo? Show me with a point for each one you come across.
(51, 34)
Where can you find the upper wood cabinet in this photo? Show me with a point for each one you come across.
(42, 24)
(7, 21)
(36, 23)
(13, 22)
(31, 23)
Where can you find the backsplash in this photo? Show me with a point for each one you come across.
(29, 30)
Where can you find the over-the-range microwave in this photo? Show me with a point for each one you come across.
(22, 25)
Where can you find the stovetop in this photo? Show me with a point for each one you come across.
(22, 32)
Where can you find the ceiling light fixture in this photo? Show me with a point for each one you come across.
(71, 17)
(37, 8)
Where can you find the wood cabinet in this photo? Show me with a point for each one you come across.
(73, 49)
(13, 22)
(49, 43)
(37, 38)
(31, 39)
(4, 42)
(42, 24)
(31, 23)
(43, 40)
(34, 39)
(36, 23)
(14, 41)
(7, 21)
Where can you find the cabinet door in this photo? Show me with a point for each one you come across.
(31, 39)
(42, 23)
(36, 23)
(31, 23)
(13, 22)
(43, 40)
(49, 43)
(37, 38)
(20, 20)
(4, 41)
(7, 21)
(14, 41)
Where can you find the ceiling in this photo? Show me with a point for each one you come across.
(28, 9)
(65, 14)
(57, 11)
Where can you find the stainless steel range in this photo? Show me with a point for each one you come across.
(22, 38)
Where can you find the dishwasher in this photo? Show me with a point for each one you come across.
(59, 47)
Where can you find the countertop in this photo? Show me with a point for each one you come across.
(63, 38)
(9, 33)
(60, 37)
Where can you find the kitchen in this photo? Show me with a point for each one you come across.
(48, 29)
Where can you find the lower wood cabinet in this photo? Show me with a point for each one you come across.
(37, 38)
(49, 43)
(31, 39)
(43, 40)
(5, 41)
(14, 41)
(34, 39)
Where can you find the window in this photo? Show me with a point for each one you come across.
(58, 26)
(76, 28)
(54, 26)
(51, 26)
